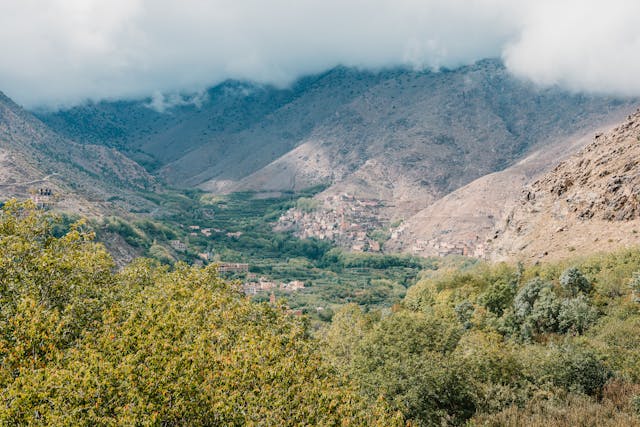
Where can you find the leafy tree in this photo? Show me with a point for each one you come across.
(499, 296)
(573, 282)
(576, 315)
(406, 357)
(465, 311)
(83, 345)
(578, 369)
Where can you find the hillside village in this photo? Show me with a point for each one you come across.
(343, 219)
(350, 222)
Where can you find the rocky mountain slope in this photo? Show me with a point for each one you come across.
(76, 177)
(226, 133)
(420, 135)
(386, 144)
(589, 202)
(466, 220)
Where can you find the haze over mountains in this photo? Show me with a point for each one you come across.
(399, 140)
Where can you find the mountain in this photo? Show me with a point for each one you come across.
(588, 203)
(466, 220)
(81, 177)
(385, 145)
(227, 133)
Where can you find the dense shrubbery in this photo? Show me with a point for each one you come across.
(502, 345)
(83, 345)
(80, 344)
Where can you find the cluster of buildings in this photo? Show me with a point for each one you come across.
(43, 198)
(264, 285)
(195, 229)
(435, 247)
(343, 219)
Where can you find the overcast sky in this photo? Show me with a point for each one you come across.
(62, 52)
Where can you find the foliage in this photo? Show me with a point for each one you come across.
(152, 344)
(499, 296)
(573, 282)
(576, 315)
(405, 357)
(81, 344)
(543, 344)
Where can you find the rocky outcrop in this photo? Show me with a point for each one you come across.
(469, 219)
(587, 203)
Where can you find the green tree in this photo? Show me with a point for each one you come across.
(83, 345)
(573, 282)
(406, 356)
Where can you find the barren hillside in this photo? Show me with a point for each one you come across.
(588, 203)
(82, 178)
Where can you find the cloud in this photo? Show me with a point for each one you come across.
(62, 52)
(583, 45)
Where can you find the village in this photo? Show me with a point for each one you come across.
(471, 246)
(349, 222)
(342, 219)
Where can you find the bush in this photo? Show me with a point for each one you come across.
(406, 357)
(499, 296)
(576, 315)
(573, 282)
(577, 369)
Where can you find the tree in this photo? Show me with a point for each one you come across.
(573, 282)
(81, 344)
(406, 356)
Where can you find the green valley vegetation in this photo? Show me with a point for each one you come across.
(82, 344)
(195, 227)
(496, 345)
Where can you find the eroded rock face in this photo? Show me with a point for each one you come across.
(589, 202)
(601, 181)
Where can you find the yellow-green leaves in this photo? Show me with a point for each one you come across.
(81, 344)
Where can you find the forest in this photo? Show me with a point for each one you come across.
(83, 342)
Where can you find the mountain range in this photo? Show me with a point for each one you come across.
(437, 159)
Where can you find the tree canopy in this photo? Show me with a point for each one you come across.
(83, 344)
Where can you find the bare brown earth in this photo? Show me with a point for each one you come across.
(588, 203)
(469, 218)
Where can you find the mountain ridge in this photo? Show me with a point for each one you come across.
(588, 203)
(82, 176)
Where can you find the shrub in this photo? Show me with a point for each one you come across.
(576, 315)
(573, 282)
(577, 369)
(499, 296)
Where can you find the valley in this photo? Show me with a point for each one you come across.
(382, 214)
(332, 183)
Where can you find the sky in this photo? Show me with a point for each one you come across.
(58, 53)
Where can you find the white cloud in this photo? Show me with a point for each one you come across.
(61, 52)
(581, 45)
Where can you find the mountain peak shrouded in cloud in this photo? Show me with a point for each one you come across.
(62, 52)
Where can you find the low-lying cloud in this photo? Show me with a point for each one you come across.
(62, 52)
